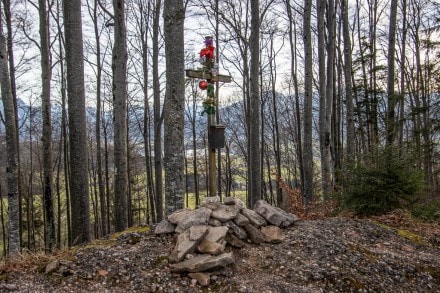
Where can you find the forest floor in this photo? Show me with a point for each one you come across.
(390, 253)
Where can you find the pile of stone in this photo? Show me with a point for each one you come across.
(205, 232)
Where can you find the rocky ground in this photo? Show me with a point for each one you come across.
(324, 255)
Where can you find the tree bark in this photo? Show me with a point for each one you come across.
(158, 161)
(12, 155)
(79, 183)
(348, 77)
(254, 129)
(119, 66)
(46, 74)
(308, 88)
(390, 125)
(174, 163)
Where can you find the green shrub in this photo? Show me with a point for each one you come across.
(427, 211)
(380, 183)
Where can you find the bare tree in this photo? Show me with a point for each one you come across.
(390, 123)
(308, 94)
(254, 130)
(12, 151)
(46, 74)
(119, 65)
(174, 163)
(79, 183)
(348, 79)
(158, 118)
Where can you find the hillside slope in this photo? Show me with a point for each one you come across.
(331, 254)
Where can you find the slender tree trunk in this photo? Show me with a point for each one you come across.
(402, 77)
(11, 147)
(326, 135)
(119, 65)
(158, 161)
(390, 123)
(12, 79)
(147, 117)
(293, 70)
(308, 94)
(46, 74)
(348, 77)
(79, 183)
(101, 188)
(254, 138)
(174, 16)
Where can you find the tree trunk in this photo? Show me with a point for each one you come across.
(79, 183)
(119, 65)
(174, 16)
(46, 74)
(158, 161)
(101, 188)
(308, 94)
(254, 130)
(348, 77)
(390, 123)
(12, 155)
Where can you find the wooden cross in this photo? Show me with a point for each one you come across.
(209, 72)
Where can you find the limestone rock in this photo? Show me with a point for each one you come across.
(214, 222)
(52, 267)
(225, 212)
(272, 234)
(198, 232)
(236, 230)
(165, 227)
(241, 220)
(254, 234)
(274, 215)
(194, 217)
(210, 247)
(254, 218)
(211, 202)
(233, 240)
(185, 245)
(216, 234)
(177, 216)
(201, 278)
(203, 263)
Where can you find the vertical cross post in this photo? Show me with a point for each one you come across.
(209, 75)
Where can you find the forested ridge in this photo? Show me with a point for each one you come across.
(333, 103)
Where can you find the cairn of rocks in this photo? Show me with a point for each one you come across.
(203, 233)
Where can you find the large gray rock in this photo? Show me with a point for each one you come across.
(203, 263)
(214, 222)
(254, 234)
(185, 245)
(274, 215)
(241, 220)
(198, 232)
(211, 202)
(216, 234)
(165, 227)
(236, 230)
(272, 234)
(254, 218)
(210, 247)
(177, 216)
(225, 212)
(233, 240)
(193, 218)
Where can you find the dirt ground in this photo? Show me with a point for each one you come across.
(383, 254)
